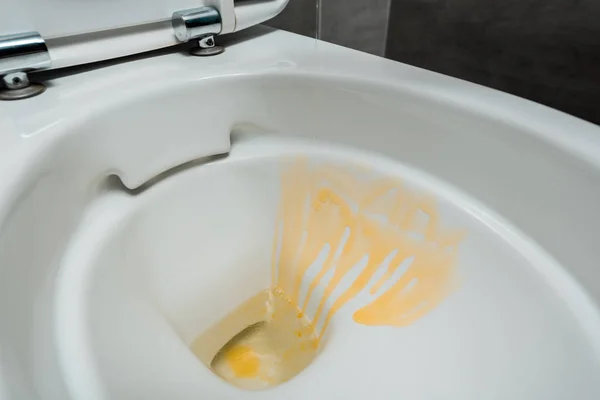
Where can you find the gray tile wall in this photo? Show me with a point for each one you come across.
(358, 24)
(300, 16)
(545, 50)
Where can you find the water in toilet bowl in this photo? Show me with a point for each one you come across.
(260, 354)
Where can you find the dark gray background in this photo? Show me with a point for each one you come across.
(547, 51)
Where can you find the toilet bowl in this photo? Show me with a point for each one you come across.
(139, 205)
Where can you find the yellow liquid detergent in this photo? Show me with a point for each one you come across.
(254, 347)
(243, 361)
(364, 224)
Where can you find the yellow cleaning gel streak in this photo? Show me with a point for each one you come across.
(358, 217)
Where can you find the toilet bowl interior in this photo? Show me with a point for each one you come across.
(122, 281)
(150, 272)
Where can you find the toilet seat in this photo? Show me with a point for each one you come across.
(518, 177)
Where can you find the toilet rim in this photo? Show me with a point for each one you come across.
(31, 127)
(267, 51)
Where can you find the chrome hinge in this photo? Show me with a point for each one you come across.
(20, 54)
(200, 24)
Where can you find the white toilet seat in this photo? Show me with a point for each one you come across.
(529, 264)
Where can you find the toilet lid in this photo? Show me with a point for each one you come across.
(59, 18)
(68, 26)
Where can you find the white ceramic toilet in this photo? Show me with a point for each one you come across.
(138, 202)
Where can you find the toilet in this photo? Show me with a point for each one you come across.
(142, 188)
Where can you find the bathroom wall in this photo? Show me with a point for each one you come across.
(358, 24)
(547, 51)
(300, 16)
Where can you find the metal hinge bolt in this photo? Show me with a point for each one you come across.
(20, 54)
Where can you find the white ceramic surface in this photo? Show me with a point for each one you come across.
(104, 287)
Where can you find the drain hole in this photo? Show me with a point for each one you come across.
(264, 342)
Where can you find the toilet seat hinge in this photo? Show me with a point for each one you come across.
(200, 24)
(20, 54)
